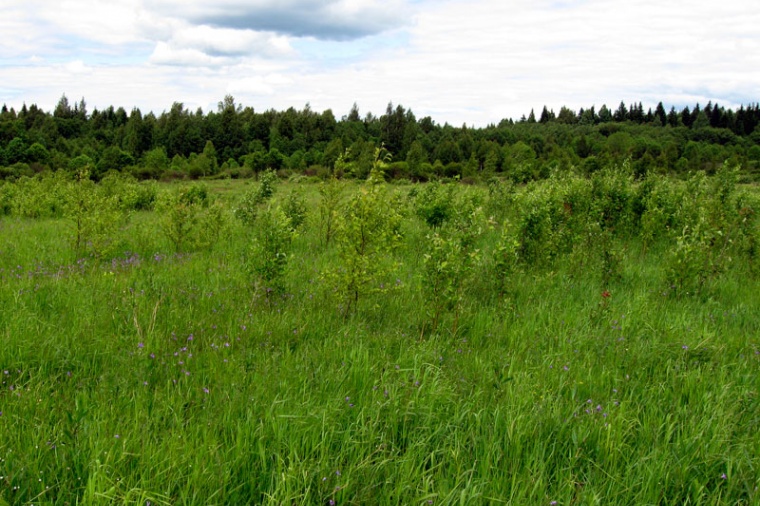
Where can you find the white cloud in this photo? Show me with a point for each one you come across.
(77, 67)
(229, 42)
(259, 85)
(103, 21)
(474, 61)
(168, 54)
(325, 19)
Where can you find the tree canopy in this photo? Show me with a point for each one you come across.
(238, 141)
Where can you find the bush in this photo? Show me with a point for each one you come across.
(248, 207)
(269, 255)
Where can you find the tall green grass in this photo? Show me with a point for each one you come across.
(165, 378)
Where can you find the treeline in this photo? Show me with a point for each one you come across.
(236, 141)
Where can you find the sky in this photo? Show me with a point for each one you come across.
(471, 62)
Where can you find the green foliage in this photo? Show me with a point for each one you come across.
(416, 158)
(15, 151)
(506, 258)
(267, 184)
(189, 220)
(295, 209)
(500, 198)
(156, 162)
(153, 378)
(537, 226)
(37, 153)
(658, 200)
(95, 216)
(269, 255)
(252, 200)
(691, 264)
(612, 198)
(7, 191)
(331, 193)
(434, 203)
(367, 231)
(448, 264)
(130, 194)
(40, 196)
(520, 162)
(215, 222)
(112, 158)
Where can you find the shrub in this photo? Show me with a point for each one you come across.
(268, 257)
(248, 207)
(366, 230)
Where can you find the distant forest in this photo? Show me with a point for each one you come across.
(236, 142)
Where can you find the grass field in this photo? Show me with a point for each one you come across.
(161, 377)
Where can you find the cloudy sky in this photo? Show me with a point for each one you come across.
(459, 61)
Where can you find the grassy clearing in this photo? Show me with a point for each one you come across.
(168, 378)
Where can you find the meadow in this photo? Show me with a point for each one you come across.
(578, 340)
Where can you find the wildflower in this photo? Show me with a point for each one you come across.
(723, 476)
(605, 294)
(140, 345)
(684, 347)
